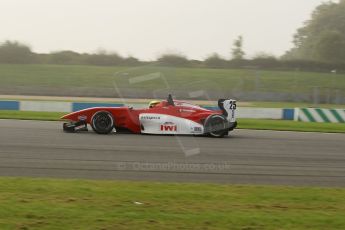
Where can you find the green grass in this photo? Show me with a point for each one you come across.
(28, 115)
(235, 80)
(243, 123)
(264, 124)
(291, 105)
(84, 204)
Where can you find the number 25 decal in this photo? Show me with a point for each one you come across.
(232, 105)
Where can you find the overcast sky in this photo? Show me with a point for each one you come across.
(147, 28)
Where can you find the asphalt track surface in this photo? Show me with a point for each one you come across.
(41, 149)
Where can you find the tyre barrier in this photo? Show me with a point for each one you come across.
(320, 115)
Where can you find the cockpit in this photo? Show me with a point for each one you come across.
(171, 102)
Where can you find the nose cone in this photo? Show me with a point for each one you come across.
(63, 117)
(66, 117)
(76, 116)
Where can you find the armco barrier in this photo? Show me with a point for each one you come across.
(83, 105)
(303, 114)
(320, 115)
(9, 105)
(288, 114)
(57, 106)
(45, 106)
(259, 113)
(262, 113)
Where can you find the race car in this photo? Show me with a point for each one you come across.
(167, 117)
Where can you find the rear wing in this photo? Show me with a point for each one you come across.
(228, 106)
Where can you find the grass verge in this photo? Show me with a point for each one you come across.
(67, 77)
(84, 204)
(28, 115)
(242, 123)
(291, 126)
(293, 105)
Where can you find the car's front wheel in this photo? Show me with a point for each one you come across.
(102, 122)
(216, 126)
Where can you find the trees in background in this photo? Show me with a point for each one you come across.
(103, 58)
(15, 52)
(237, 50)
(215, 61)
(322, 38)
(64, 57)
(175, 60)
(318, 46)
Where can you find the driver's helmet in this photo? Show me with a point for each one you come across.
(153, 103)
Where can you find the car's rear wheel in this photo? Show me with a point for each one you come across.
(102, 122)
(216, 126)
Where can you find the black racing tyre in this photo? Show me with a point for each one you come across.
(102, 122)
(216, 126)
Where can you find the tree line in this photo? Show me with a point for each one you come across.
(12, 52)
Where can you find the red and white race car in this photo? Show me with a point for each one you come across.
(162, 117)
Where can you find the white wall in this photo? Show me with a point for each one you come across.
(45, 106)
